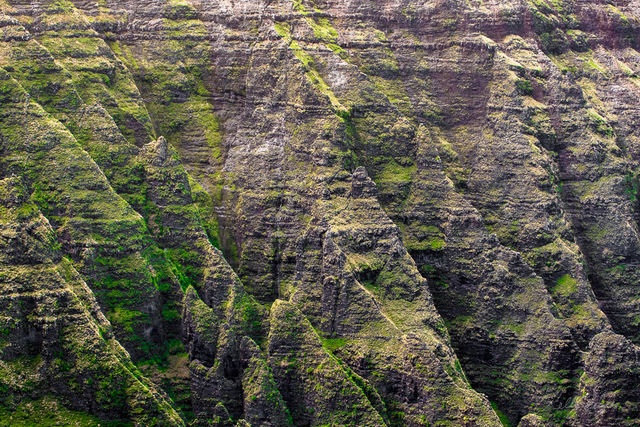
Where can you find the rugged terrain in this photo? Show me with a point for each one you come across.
(283, 212)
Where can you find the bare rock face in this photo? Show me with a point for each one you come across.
(311, 213)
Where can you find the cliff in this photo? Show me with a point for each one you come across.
(302, 213)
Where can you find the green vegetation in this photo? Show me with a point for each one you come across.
(632, 186)
(333, 344)
(322, 30)
(524, 87)
(251, 315)
(503, 418)
(45, 412)
(599, 124)
(108, 211)
(554, 42)
(565, 286)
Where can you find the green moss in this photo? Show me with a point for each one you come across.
(206, 211)
(565, 286)
(180, 10)
(623, 25)
(458, 321)
(171, 315)
(501, 415)
(599, 124)
(324, 31)
(425, 238)
(284, 30)
(632, 186)
(100, 80)
(333, 344)
(60, 6)
(184, 264)
(111, 394)
(251, 316)
(436, 244)
(203, 317)
(559, 416)
(393, 175)
(524, 87)
(554, 42)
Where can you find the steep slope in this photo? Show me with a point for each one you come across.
(56, 340)
(350, 213)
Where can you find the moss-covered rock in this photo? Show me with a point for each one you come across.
(314, 212)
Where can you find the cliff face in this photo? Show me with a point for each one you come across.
(305, 213)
